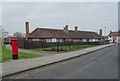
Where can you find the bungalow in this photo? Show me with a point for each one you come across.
(61, 35)
(114, 37)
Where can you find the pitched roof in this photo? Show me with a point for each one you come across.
(114, 33)
(59, 33)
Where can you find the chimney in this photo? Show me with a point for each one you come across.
(66, 27)
(27, 28)
(76, 28)
(100, 32)
(110, 31)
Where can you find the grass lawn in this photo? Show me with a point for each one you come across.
(6, 54)
(68, 48)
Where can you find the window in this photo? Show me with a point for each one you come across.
(36, 39)
(118, 39)
(60, 40)
(93, 40)
(54, 40)
(84, 40)
(96, 40)
(90, 40)
(48, 40)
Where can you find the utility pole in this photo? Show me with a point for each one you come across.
(105, 31)
(9, 38)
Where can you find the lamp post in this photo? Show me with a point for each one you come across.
(104, 33)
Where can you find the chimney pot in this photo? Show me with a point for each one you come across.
(110, 31)
(66, 27)
(76, 28)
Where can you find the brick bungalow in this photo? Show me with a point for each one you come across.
(61, 35)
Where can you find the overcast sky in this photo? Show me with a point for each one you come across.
(89, 16)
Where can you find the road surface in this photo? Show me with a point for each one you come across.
(101, 64)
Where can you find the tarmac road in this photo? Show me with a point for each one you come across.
(101, 64)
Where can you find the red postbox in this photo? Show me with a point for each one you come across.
(14, 49)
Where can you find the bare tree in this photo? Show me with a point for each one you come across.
(3, 33)
(18, 34)
(1, 29)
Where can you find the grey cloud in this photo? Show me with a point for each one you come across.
(88, 16)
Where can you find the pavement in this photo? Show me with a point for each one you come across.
(17, 66)
(31, 51)
(0, 71)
